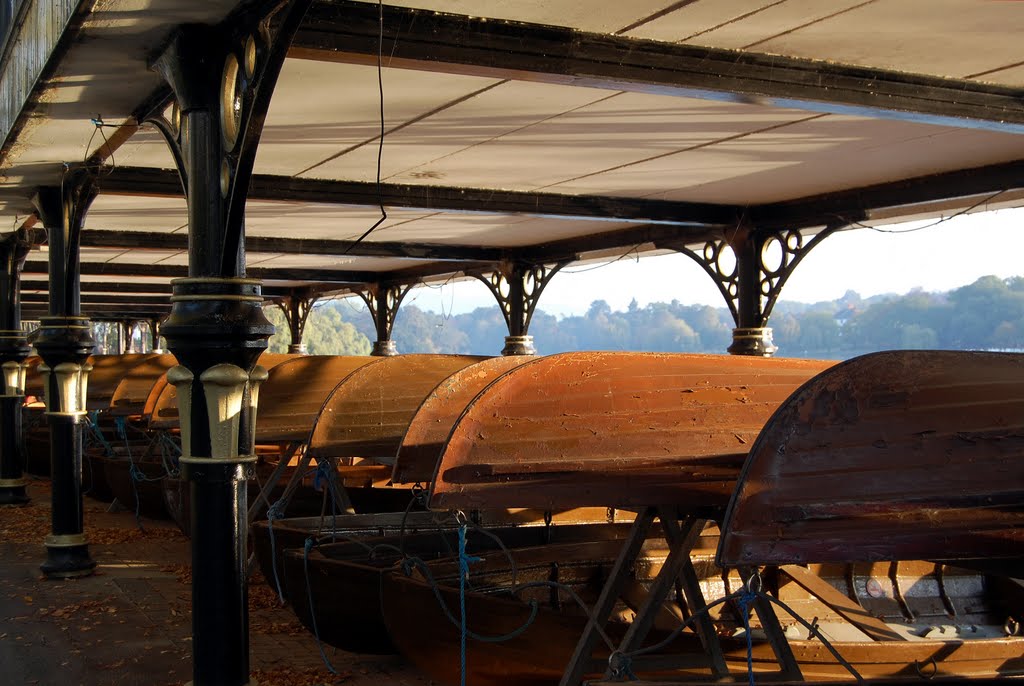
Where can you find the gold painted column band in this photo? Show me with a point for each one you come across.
(14, 378)
(236, 459)
(224, 386)
(256, 379)
(231, 298)
(181, 378)
(65, 540)
(760, 332)
(72, 388)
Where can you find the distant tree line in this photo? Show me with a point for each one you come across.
(986, 315)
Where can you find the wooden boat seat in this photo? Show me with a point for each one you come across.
(894, 455)
(613, 429)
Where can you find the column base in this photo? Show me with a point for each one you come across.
(67, 561)
(754, 341)
(299, 349)
(518, 345)
(384, 349)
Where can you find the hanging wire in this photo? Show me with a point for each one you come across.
(380, 142)
(942, 220)
(99, 125)
(635, 251)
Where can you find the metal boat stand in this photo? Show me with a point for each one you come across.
(681, 531)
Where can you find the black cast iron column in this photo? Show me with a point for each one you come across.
(14, 349)
(517, 287)
(383, 301)
(64, 341)
(154, 330)
(222, 78)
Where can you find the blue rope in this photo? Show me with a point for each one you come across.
(137, 475)
(274, 512)
(464, 562)
(94, 418)
(169, 454)
(746, 598)
(121, 423)
(312, 608)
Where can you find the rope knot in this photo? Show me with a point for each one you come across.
(276, 511)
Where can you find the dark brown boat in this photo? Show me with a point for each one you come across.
(342, 581)
(137, 483)
(894, 455)
(956, 628)
(613, 429)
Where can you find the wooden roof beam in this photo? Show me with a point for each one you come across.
(144, 240)
(165, 183)
(857, 204)
(347, 32)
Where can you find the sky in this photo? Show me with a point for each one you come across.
(897, 259)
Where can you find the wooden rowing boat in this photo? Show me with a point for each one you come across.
(369, 411)
(959, 631)
(613, 429)
(424, 440)
(344, 579)
(894, 455)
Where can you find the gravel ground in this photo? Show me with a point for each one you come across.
(129, 624)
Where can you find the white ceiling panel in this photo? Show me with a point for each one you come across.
(610, 133)
(581, 14)
(320, 110)
(311, 220)
(860, 154)
(976, 37)
(146, 148)
(331, 262)
(137, 213)
(499, 231)
(150, 257)
(694, 20)
(410, 154)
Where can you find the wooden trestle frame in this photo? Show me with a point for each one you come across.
(681, 531)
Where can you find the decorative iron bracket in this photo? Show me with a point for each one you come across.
(296, 308)
(383, 301)
(236, 94)
(517, 286)
(750, 267)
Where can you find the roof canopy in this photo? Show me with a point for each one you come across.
(539, 131)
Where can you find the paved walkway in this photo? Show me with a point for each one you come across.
(129, 624)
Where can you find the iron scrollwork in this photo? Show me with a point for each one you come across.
(383, 301)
